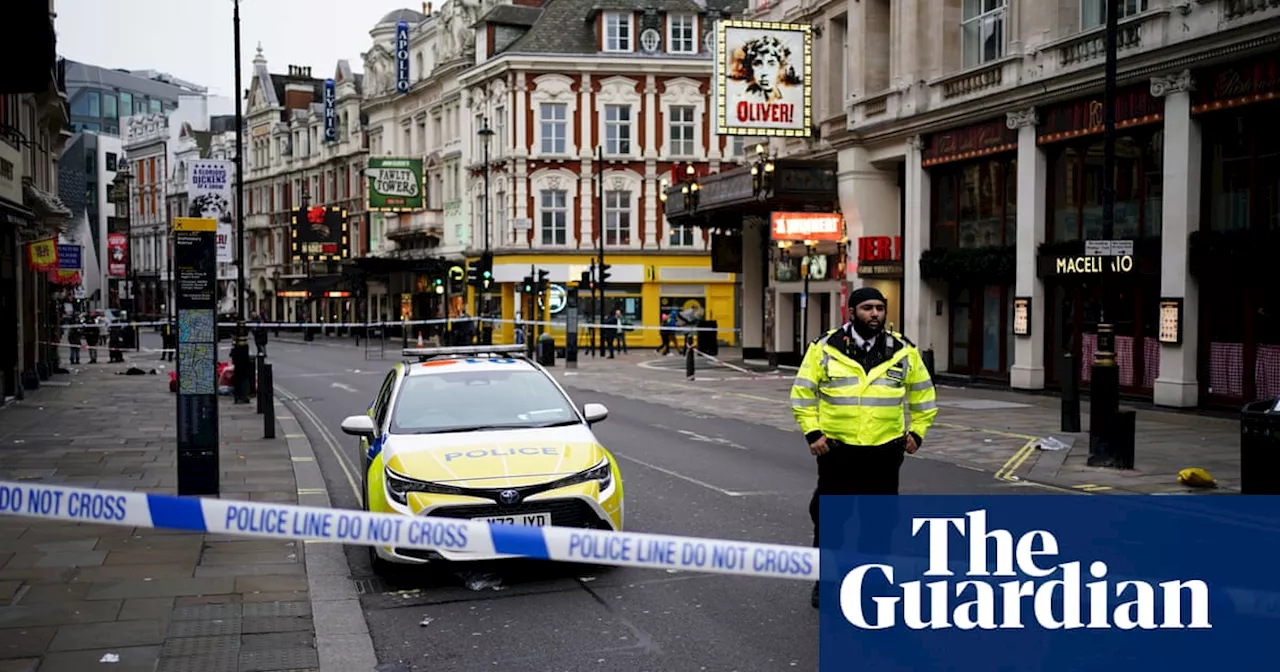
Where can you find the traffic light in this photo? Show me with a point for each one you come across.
(585, 282)
(486, 270)
(439, 283)
(527, 285)
(604, 272)
(542, 281)
(473, 276)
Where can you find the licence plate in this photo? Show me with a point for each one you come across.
(535, 519)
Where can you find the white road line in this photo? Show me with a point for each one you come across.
(329, 440)
(704, 484)
(343, 386)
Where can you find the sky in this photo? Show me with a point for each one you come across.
(193, 39)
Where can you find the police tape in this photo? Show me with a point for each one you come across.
(362, 528)
(414, 323)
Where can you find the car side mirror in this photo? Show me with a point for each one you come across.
(360, 425)
(594, 413)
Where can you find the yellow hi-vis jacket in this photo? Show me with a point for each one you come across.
(833, 395)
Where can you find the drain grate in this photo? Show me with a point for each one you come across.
(372, 586)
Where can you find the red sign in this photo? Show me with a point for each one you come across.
(808, 226)
(769, 113)
(970, 142)
(117, 255)
(879, 249)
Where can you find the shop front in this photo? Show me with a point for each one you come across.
(809, 262)
(1082, 290)
(973, 177)
(1233, 254)
(644, 286)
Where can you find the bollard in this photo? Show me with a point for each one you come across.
(262, 395)
(689, 361)
(267, 391)
(1070, 394)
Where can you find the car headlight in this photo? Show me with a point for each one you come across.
(601, 472)
(399, 486)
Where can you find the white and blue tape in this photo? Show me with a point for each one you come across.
(413, 323)
(361, 528)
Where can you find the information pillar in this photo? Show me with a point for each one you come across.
(195, 267)
(571, 329)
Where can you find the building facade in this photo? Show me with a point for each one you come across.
(974, 137)
(34, 126)
(86, 171)
(101, 98)
(290, 168)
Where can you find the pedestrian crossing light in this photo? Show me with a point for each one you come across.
(486, 270)
(527, 285)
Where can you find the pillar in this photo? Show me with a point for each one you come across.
(753, 287)
(1027, 372)
(1177, 384)
(924, 309)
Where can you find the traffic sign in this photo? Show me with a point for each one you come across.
(1108, 248)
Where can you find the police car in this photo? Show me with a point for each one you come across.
(482, 433)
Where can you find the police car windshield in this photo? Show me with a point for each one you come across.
(460, 401)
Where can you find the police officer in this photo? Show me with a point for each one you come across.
(863, 399)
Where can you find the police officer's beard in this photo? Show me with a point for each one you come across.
(866, 330)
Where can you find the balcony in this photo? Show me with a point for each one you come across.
(420, 223)
(978, 81)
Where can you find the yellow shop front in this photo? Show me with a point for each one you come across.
(644, 286)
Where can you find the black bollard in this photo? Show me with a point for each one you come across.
(688, 361)
(267, 392)
(1070, 394)
(262, 393)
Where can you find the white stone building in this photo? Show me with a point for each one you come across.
(288, 162)
(973, 145)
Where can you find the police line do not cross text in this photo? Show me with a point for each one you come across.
(1033, 555)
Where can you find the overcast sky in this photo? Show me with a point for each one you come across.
(193, 39)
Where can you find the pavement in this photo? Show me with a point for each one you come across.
(73, 596)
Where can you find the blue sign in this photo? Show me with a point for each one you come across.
(330, 112)
(402, 57)
(69, 257)
(1053, 583)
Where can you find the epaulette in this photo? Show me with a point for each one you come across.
(904, 339)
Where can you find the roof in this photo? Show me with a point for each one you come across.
(407, 15)
(85, 76)
(512, 15)
(565, 26)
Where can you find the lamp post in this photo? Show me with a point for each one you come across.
(486, 135)
(241, 291)
(762, 170)
(1105, 375)
(122, 198)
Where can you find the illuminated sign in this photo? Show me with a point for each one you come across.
(879, 248)
(330, 112)
(1085, 265)
(763, 75)
(558, 297)
(402, 57)
(320, 233)
(807, 226)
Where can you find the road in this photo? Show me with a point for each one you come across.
(685, 473)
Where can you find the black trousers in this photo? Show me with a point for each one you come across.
(861, 470)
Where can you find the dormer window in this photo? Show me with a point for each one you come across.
(682, 34)
(619, 31)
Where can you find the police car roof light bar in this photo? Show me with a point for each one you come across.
(470, 350)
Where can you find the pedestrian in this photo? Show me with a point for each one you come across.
(849, 379)
(73, 341)
(92, 334)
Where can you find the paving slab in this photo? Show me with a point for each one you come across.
(77, 596)
(997, 431)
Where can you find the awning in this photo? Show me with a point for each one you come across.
(14, 214)
(321, 286)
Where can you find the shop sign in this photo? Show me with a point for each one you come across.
(1083, 265)
(880, 256)
(969, 142)
(808, 226)
(1134, 106)
(1238, 83)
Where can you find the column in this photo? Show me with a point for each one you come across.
(1177, 384)
(924, 314)
(1027, 372)
(753, 287)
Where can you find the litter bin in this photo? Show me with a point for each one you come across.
(708, 341)
(1260, 448)
(546, 350)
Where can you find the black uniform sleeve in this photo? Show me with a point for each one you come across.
(812, 436)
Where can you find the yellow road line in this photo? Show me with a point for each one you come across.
(328, 439)
(1019, 456)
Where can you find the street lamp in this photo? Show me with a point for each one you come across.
(121, 198)
(762, 174)
(486, 135)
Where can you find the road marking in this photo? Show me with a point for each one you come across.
(303, 459)
(311, 491)
(1089, 487)
(343, 386)
(328, 438)
(1010, 467)
(690, 479)
(710, 439)
(295, 436)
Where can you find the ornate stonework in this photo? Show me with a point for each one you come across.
(1021, 118)
(1175, 83)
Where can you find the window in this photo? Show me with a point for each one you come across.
(495, 398)
(617, 218)
(681, 235)
(681, 141)
(553, 118)
(499, 131)
(109, 109)
(982, 29)
(975, 204)
(111, 161)
(1241, 172)
(617, 31)
(680, 34)
(90, 163)
(1093, 13)
(1076, 187)
(555, 217)
(126, 104)
(157, 107)
(617, 129)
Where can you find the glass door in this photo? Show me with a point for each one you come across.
(961, 327)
